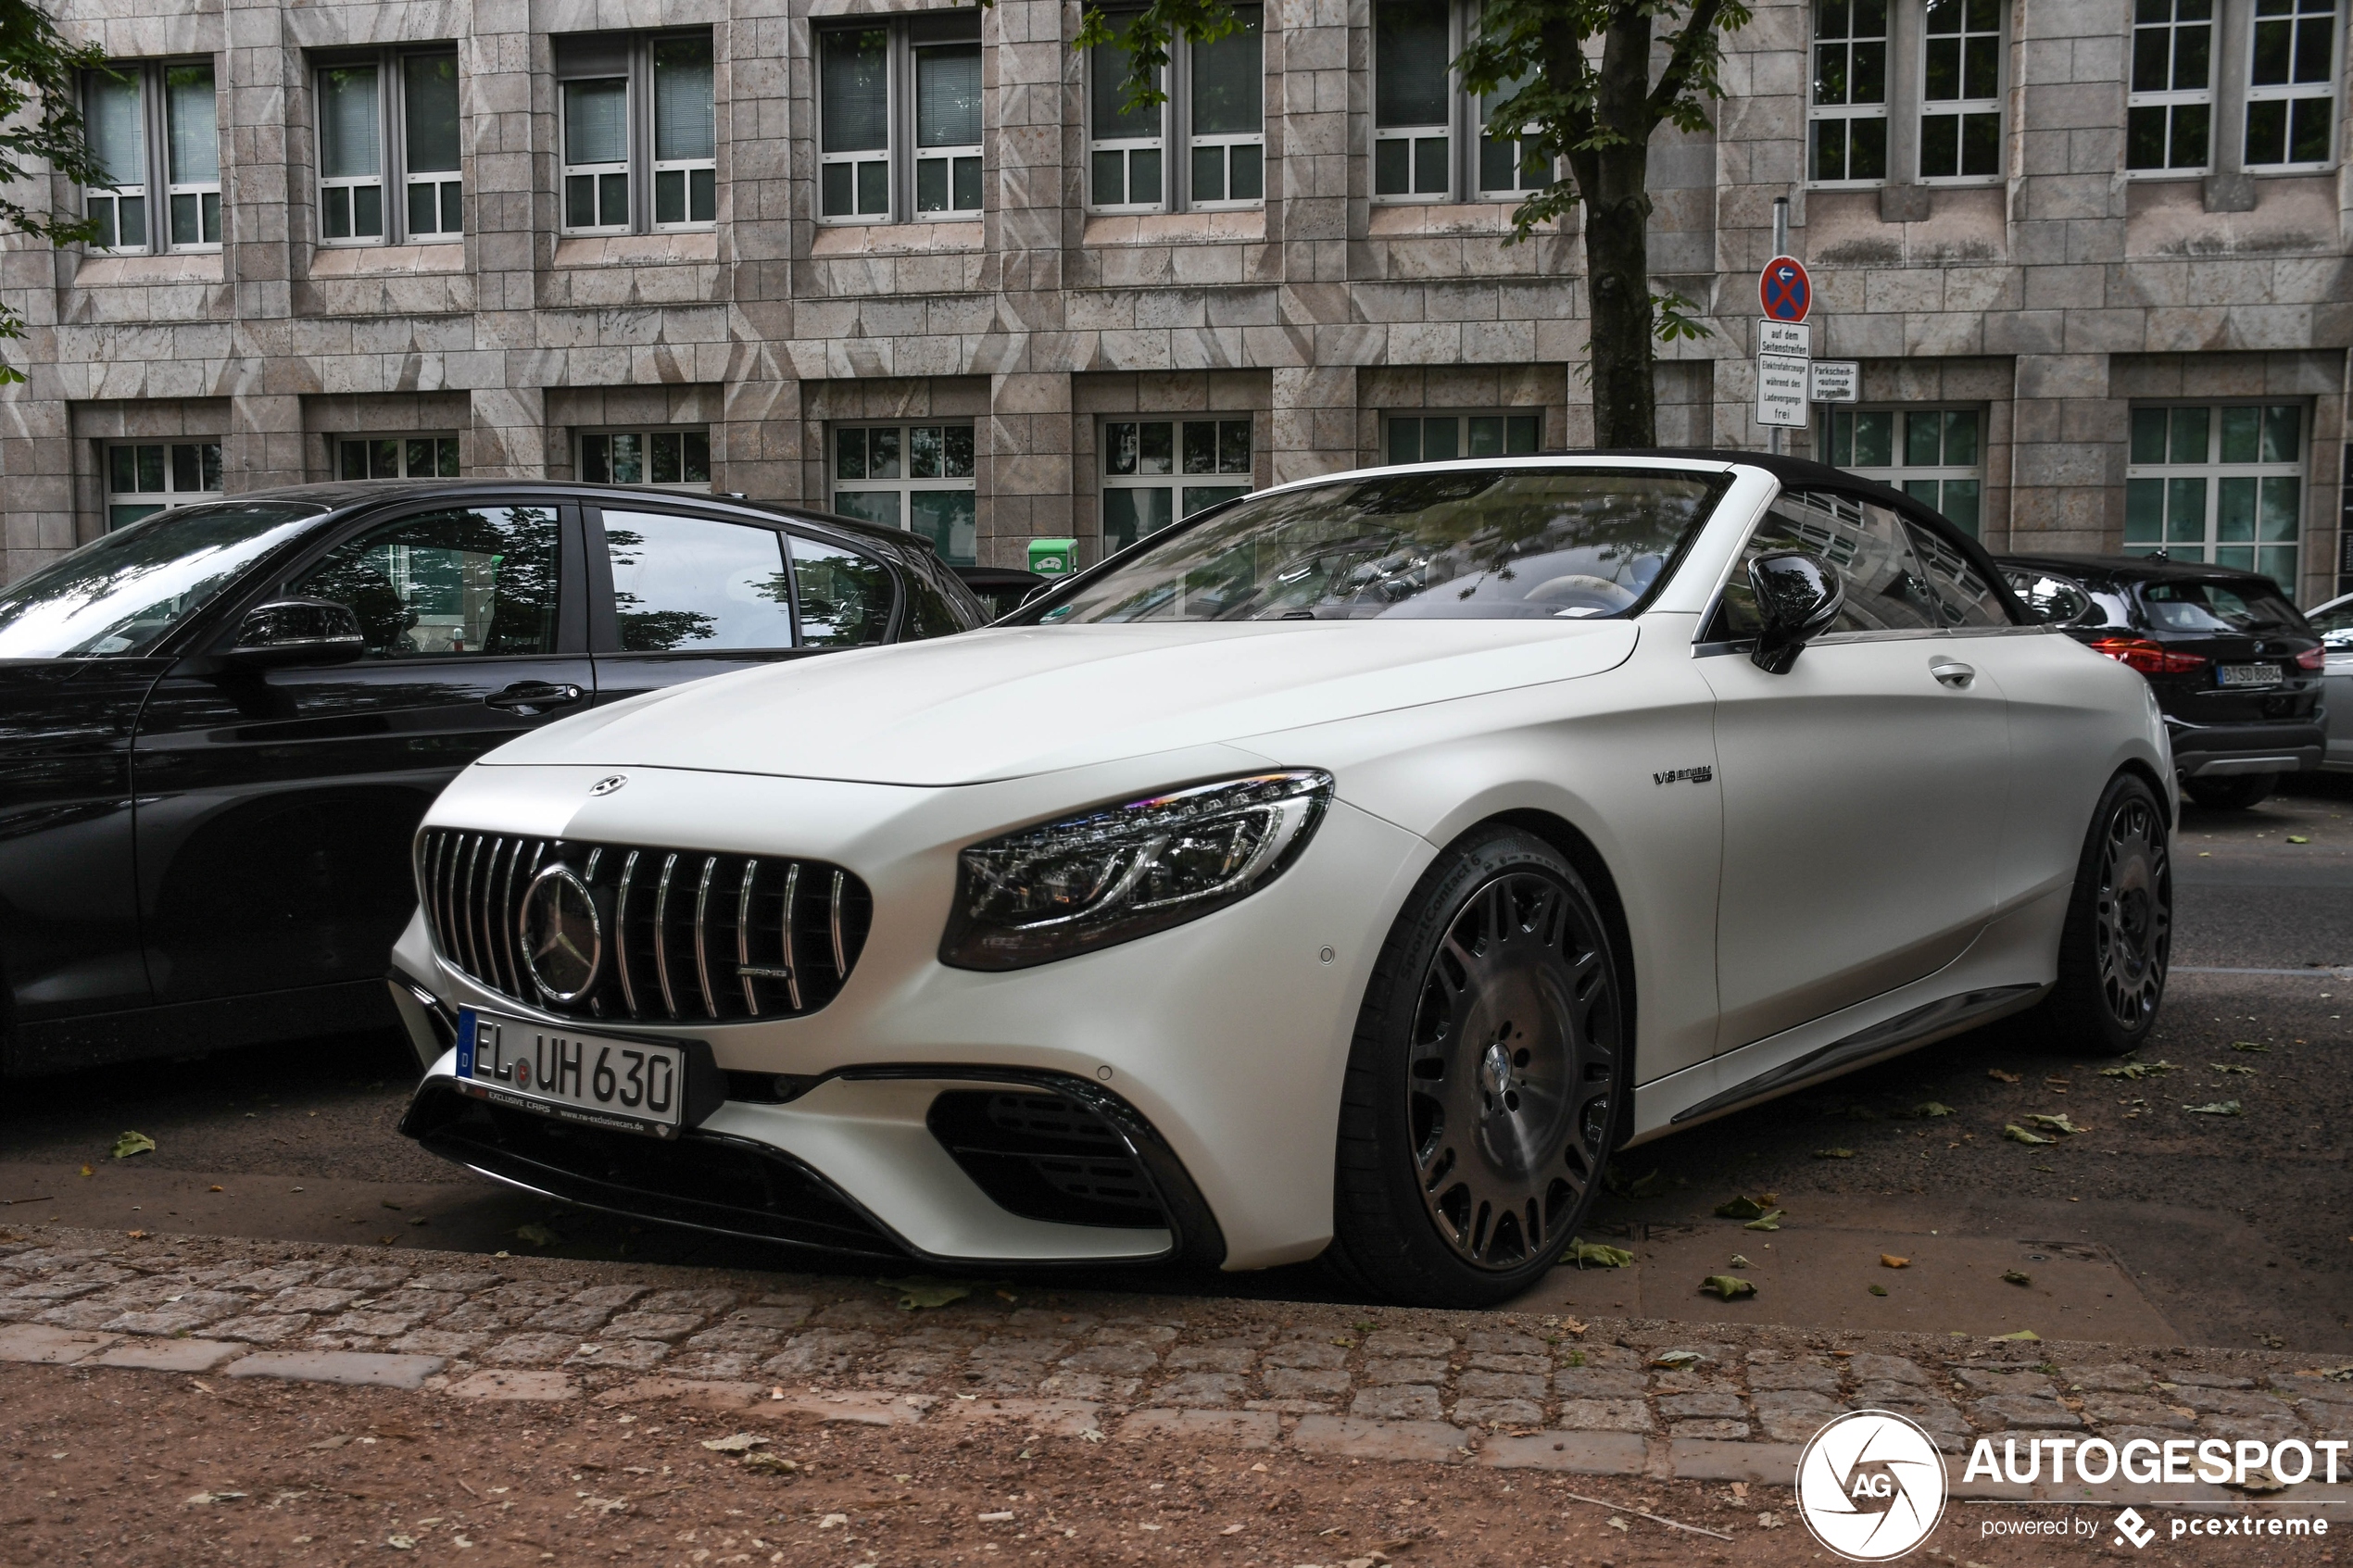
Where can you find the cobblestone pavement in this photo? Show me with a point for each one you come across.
(1625, 1396)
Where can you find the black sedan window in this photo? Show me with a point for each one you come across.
(463, 582)
(2217, 606)
(120, 594)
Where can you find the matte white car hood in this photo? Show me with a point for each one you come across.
(1006, 704)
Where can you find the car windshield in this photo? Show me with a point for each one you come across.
(120, 594)
(1506, 543)
(2219, 606)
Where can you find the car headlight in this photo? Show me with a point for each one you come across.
(1117, 873)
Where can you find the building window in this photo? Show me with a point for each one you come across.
(639, 133)
(388, 149)
(1935, 456)
(145, 118)
(1961, 90)
(1413, 99)
(677, 459)
(2219, 482)
(1509, 166)
(2291, 84)
(145, 477)
(1215, 112)
(918, 477)
(872, 135)
(396, 457)
(1849, 108)
(1157, 471)
(1439, 438)
(2169, 117)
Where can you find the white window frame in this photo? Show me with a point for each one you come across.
(1189, 489)
(1519, 431)
(905, 484)
(1900, 472)
(894, 104)
(174, 455)
(1850, 110)
(599, 455)
(1176, 143)
(902, 156)
(392, 177)
(2290, 92)
(365, 452)
(684, 168)
(1962, 109)
(2210, 473)
(157, 188)
(1464, 131)
(949, 154)
(640, 171)
(2170, 100)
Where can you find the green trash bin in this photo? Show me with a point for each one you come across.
(1053, 557)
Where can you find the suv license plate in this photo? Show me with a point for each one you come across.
(2251, 674)
(633, 1085)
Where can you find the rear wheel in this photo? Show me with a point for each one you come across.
(1486, 1082)
(2119, 937)
(2234, 793)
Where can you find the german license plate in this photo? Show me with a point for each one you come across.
(2250, 674)
(633, 1085)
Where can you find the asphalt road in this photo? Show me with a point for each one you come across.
(2156, 1223)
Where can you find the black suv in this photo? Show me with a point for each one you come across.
(2235, 669)
(220, 725)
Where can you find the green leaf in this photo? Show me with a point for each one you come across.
(1728, 1287)
(1877, 1290)
(129, 1144)
(1771, 1222)
(2139, 1070)
(1833, 1154)
(1742, 1208)
(2248, 1046)
(2058, 1125)
(742, 1442)
(2017, 1277)
(537, 1234)
(2231, 1067)
(2017, 1134)
(1596, 1255)
(919, 1292)
(1932, 1109)
(1672, 1360)
(2215, 1108)
(2027, 1335)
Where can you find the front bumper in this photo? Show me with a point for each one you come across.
(1216, 1050)
(2221, 750)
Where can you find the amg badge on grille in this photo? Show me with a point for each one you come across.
(607, 785)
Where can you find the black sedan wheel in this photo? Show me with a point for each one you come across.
(2118, 938)
(1486, 1084)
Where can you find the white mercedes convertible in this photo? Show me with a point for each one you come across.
(1351, 867)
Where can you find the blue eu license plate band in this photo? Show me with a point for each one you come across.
(466, 1022)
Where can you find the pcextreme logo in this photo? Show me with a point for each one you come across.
(1871, 1486)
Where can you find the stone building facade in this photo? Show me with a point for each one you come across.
(2092, 254)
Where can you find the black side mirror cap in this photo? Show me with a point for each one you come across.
(1798, 598)
(293, 632)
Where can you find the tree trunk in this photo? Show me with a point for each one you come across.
(1612, 180)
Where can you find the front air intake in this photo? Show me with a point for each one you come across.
(676, 936)
(1047, 1156)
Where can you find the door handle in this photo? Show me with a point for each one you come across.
(534, 698)
(1952, 672)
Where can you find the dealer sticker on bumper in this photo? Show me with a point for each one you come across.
(633, 1085)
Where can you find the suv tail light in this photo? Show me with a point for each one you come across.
(2149, 658)
(2312, 659)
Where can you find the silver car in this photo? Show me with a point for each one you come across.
(2334, 622)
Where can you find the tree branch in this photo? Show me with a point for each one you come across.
(1695, 42)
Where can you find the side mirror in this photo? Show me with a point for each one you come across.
(1798, 598)
(288, 631)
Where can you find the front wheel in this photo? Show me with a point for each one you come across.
(1487, 1081)
(2119, 936)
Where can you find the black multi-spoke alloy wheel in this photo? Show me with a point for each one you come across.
(1487, 1083)
(2118, 938)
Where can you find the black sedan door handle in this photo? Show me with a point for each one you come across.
(534, 698)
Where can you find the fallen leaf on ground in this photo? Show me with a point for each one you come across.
(2294, 838)
(1671, 1358)
(1930, 1110)
(2001, 1077)
(2017, 1134)
(1888, 1260)
(218, 1190)
(1768, 1520)
(203, 1498)
(1740, 1263)
(2027, 1335)
(1770, 1222)
(538, 1235)
(1596, 1255)
(2017, 1277)
(1741, 1209)
(2139, 1070)
(920, 1292)
(2248, 1046)
(1615, 1522)
(1879, 1290)
(775, 1462)
(2231, 1067)
(1727, 1287)
(2058, 1124)
(129, 1144)
(741, 1442)
(2215, 1108)
(1833, 1154)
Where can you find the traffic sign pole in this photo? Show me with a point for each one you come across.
(1780, 247)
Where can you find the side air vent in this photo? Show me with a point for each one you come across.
(670, 935)
(1045, 1157)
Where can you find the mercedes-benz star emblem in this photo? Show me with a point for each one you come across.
(563, 936)
(607, 785)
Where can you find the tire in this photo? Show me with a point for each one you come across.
(1488, 1081)
(2234, 793)
(2118, 940)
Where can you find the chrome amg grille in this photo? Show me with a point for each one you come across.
(680, 935)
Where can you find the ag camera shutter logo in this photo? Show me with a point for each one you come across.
(1871, 1486)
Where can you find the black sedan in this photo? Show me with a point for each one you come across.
(220, 725)
(2236, 670)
